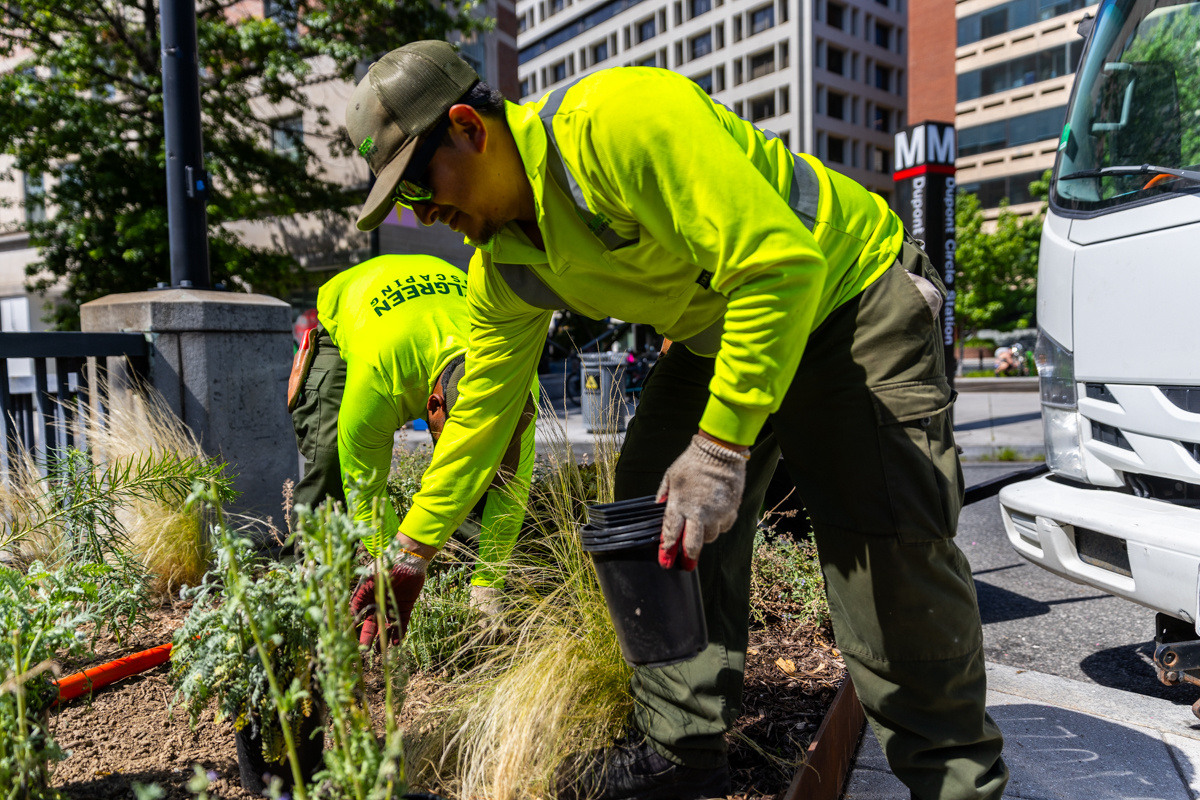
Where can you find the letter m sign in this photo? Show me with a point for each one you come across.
(926, 144)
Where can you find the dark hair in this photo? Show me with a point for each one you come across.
(484, 99)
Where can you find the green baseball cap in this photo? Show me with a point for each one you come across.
(403, 96)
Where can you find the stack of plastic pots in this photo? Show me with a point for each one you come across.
(657, 613)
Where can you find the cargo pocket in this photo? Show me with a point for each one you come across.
(306, 418)
(920, 465)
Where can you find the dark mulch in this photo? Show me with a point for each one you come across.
(129, 732)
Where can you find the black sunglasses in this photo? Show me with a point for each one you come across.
(414, 185)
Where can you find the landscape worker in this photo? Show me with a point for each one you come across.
(390, 348)
(803, 321)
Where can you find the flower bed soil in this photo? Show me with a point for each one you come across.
(129, 733)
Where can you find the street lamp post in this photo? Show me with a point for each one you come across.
(187, 181)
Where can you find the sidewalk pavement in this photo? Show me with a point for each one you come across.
(991, 421)
(1067, 740)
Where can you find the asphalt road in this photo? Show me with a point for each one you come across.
(1039, 621)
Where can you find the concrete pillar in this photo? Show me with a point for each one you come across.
(221, 361)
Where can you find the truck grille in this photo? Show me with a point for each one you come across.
(1186, 397)
(1102, 550)
(1167, 489)
(1149, 436)
(1110, 435)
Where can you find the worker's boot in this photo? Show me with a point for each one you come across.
(631, 768)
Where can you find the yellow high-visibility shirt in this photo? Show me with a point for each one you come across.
(656, 205)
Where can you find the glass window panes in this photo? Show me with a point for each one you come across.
(762, 18)
(762, 107)
(762, 63)
(700, 45)
(835, 60)
(287, 136)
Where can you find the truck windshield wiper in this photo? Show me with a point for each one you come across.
(1144, 169)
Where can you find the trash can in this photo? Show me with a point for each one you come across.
(602, 396)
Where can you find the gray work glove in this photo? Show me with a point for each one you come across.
(703, 489)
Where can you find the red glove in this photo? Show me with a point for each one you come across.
(405, 580)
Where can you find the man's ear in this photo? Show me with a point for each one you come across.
(436, 401)
(466, 120)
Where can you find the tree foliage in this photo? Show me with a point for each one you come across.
(83, 107)
(997, 268)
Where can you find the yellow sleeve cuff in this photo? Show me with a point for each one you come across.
(736, 424)
(426, 528)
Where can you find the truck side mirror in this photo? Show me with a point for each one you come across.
(1084, 29)
(1129, 94)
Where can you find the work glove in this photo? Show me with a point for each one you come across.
(405, 580)
(703, 489)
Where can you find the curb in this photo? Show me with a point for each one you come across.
(830, 754)
(1018, 384)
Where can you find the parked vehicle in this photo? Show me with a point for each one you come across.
(1116, 351)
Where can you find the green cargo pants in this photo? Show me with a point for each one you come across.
(865, 431)
(315, 423)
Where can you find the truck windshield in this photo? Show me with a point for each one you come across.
(1136, 103)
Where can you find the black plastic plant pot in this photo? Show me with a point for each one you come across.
(657, 613)
(256, 771)
(625, 511)
(641, 530)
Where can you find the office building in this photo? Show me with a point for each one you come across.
(1015, 60)
(828, 76)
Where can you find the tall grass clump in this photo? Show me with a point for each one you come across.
(121, 499)
(558, 683)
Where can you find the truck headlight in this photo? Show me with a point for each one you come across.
(1060, 409)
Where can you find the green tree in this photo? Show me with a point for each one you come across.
(997, 268)
(83, 107)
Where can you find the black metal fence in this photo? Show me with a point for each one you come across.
(40, 403)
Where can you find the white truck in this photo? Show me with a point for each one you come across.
(1118, 312)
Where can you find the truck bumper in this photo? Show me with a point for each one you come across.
(1147, 551)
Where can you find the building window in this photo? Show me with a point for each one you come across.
(835, 105)
(737, 29)
(284, 14)
(835, 60)
(525, 87)
(558, 71)
(761, 19)
(647, 62)
(835, 148)
(882, 161)
(645, 29)
(720, 79)
(698, 7)
(785, 101)
(287, 136)
(600, 52)
(883, 78)
(762, 107)
(883, 35)
(705, 82)
(762, 64)
(881, 120)
(737, 73)
(557, 6)
(700, 45)
(835, 16)
(34, 190)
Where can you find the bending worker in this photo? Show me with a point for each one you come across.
(804, 322)
(390, 348)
